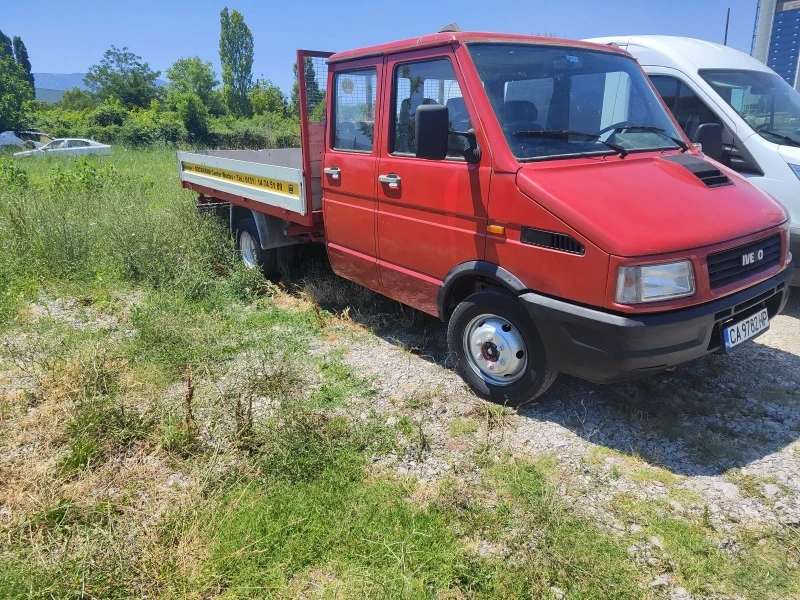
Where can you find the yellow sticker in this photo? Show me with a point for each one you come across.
(265, 183)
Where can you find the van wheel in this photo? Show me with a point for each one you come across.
(498, 351)
(249, 246)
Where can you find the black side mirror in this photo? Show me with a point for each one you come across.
(432, 133)
(709, 136)
(431, 127)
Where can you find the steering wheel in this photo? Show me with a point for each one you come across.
(614, 126)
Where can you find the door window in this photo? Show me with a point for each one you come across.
(428, 82)
(689, 110)
(354, 110)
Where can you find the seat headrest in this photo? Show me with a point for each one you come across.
(520, 110)
(456, 106)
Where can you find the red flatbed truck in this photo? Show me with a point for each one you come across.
(534, 192)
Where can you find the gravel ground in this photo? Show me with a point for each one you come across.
(717, 437)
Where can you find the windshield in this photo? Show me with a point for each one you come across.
(558, 102)
(763, 99)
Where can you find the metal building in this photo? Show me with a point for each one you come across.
(776, 37)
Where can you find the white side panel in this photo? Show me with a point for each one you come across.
(269, 184)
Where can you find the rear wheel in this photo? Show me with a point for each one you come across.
(498, 351)
(253, 255)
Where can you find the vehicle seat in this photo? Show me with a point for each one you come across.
(345, 135)
(459, 117)
(520, 115)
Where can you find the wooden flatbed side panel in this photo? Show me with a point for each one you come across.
(267, 184)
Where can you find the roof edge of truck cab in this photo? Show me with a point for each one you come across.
(462, 37)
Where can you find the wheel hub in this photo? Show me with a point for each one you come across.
(247, 247)
(495, 349)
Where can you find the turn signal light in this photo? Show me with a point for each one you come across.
(496, 229)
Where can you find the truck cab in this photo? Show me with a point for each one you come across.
(536, 195)
(702, 82)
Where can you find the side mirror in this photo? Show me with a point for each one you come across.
(432, 134)
(709, 136)
(431, 128)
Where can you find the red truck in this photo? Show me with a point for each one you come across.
(533, 192)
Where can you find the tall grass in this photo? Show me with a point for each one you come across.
(99, 222)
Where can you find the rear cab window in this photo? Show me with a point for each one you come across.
(354, 110)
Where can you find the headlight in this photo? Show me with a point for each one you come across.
(651, 283)
(795, 169)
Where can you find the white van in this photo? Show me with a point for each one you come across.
(702, 82)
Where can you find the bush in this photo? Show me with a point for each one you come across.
(109, 113)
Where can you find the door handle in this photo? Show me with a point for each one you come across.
(334, 172)
(392, 179)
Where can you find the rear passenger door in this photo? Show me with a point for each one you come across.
(349, 171)
(431, 214)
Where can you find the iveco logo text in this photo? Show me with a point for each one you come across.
(752, 257)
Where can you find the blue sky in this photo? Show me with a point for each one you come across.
(67, 36)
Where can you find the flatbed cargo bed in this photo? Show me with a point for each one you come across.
(271, 178)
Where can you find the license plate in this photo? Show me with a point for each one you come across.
(747, 329)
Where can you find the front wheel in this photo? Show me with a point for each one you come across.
(498, 351)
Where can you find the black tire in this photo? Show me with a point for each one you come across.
(532, 380)
(253, 256)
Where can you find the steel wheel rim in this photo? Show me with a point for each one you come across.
(248, 250)
(495, 349)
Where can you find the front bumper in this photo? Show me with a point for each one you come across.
(606, 347)
(794, 248)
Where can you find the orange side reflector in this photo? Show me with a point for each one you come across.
(496, 229)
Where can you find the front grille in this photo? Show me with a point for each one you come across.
(739, 263)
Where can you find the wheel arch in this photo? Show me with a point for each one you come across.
(471, 276)
(271, 230)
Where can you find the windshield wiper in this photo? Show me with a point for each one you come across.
(786, 138)
(650, 129)
(565, 133)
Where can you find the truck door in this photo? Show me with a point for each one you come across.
(432, 215)
(349, 170)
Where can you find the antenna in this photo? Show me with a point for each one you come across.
(449, 28)
(727, 23)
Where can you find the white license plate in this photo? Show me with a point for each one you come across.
(747, 329)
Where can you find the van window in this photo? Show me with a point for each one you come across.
(354, 110)
(427, 82)
(763, 99)
(689, 110)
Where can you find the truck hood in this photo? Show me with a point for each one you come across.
(647, 204)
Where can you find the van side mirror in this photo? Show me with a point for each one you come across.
(709, 136)
(431, 127)
(432, 134)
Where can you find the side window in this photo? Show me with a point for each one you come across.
(689, 110)
(78, 144)
(667, 88)
(428, 82)
(354, 110)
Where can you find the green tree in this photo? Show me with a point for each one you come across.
(14, 92)
(192, 75)
(314, 95)
(193, 113)
(5, 45)
(21, 54)
(77, 99)
(121, 74)
(266, 97)
(236, 56)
